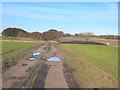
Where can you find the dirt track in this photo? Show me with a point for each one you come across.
(55, 75)
(50, 75)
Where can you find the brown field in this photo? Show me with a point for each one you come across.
(90, 41)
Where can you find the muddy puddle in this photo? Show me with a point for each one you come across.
(52, 59)
(31, 58)
(55, 59)
(36, 53)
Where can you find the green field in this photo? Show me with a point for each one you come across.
(102, 56)
(105, 39)
(7, 38)
(13, 46)
(12, 51)
(16, 38)
(87, 60)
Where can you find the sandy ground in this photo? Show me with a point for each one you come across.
(16, 75)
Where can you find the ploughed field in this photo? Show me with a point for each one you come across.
(92, 64)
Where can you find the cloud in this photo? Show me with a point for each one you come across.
(82, 15)
(30, 12)
(68, 16)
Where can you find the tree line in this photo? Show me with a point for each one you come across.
(109, 36)
(51, 34)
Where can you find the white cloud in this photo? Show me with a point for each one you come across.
(48, 13)
(85, 18)
(24, 12)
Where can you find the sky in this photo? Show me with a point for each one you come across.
(69, 17)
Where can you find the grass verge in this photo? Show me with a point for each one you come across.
(87, 73)
(17, 51)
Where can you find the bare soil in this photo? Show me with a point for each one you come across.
(15, 76)
(54, 73)
(90, 41)
(83, 42)
(50, 75)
